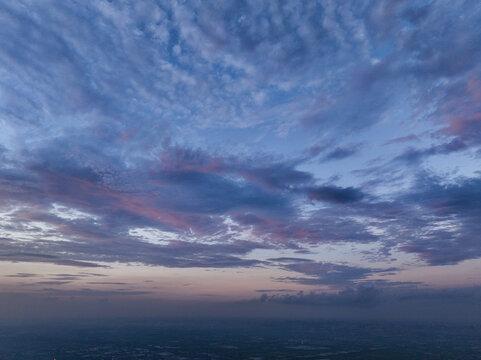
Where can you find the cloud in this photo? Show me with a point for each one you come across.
(224, 203)
(33, 257)
(274, 290)
(90, 207)
(53, 282)
(414, 156)
(402, 139)
(358, 296)
(289, 259)
(107, 282)
(442, 294)
(449, 226)
(22, 275)
(335, 194)
(342, 152)
(87, 292)
(324, 273)
(168, 133)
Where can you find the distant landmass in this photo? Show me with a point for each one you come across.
(234, 339)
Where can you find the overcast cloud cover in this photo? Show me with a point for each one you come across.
(202, 134)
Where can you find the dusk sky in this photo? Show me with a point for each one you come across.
(263, 154)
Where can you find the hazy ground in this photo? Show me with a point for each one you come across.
(234, 339)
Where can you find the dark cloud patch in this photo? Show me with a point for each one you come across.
(87, 292)
(53, 282)
(335, 194)
(107, 282)
(342, 152)
(289, 260)
(274, 290)
(455, 209)
(92, 274)
(22, 275)
(435, 218)
(414, 156)
(67, 277)
(215, 194)
(396, 285)
(417, 13)
(323, 226)
(36, 257)
(358, 296)
(402, 139)
(323, 273)
(174, 254)
(448, 294)
(281, 176)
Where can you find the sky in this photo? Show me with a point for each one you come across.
(247, 156)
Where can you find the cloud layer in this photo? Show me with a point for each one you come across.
(193, 134)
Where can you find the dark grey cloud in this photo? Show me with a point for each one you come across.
(289, 260)
(53, 282)
(87, 292)
(107, 282)
(335, 194)
(402, 139)
(456, 208)
(414, 156)
(358, 296)
(22, 275)
(35, 257)
(342, 152)
(67, 278)
(324, 273)
(414, 303)
(274, 290)
(449, 294)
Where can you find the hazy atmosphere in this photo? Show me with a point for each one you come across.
(294, 159)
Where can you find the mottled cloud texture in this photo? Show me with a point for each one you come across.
(199, 134)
